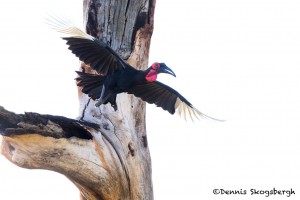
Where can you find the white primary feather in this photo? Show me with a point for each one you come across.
(190, 112)
(66, 26)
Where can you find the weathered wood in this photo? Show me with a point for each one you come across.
(128, 31)
(47, 142)
(104, 153)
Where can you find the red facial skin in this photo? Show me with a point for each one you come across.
(152, 74)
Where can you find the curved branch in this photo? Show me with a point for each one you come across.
(77, 149)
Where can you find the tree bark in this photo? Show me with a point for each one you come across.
(104, 152)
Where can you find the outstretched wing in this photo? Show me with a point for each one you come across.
(93, 52)
(168, 99)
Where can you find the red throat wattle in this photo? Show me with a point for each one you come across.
(151, 76)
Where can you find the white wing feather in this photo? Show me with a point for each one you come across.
(66, 26)
(190, 112)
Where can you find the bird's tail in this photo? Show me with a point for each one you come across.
(91, 84)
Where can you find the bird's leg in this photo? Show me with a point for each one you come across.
(112, 100)
(101, 99)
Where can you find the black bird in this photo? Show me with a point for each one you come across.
(115, 76)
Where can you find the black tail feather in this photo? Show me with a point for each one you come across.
(91, 84)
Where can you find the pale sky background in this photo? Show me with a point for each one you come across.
(237, 60)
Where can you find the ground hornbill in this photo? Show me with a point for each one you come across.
(115, 76)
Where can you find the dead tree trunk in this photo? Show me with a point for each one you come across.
(104, 153)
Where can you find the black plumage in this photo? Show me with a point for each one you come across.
(115, 76)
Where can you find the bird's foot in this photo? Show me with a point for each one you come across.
(99, 102)
(115, 107)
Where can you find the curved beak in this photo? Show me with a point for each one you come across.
(165, 69)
